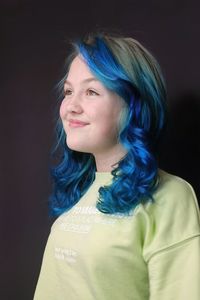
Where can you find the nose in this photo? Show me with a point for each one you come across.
(72, 105)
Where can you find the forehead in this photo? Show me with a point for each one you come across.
(79, 70)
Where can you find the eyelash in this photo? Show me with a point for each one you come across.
(66, 92)
(90, 92)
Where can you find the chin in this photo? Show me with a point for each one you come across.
(77, 147)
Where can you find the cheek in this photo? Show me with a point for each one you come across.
(62, 110)
(111, 119)
(63, 115)
(107, 127)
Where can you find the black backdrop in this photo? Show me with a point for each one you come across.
(32, 52)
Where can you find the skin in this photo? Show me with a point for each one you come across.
(90, 115)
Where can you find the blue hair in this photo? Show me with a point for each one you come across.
(124, 66)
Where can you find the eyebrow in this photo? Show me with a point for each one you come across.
(87, 80)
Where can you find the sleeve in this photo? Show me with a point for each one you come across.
(173, 243)
(174, 273)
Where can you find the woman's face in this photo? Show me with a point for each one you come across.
(90, 113)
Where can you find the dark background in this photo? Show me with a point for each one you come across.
(33, 48)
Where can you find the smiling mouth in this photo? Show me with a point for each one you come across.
(75, 124)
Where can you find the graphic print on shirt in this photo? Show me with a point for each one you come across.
(81, 220)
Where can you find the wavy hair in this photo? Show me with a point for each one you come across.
(124, 66)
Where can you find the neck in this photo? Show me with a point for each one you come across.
(106, 162)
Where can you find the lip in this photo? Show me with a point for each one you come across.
(76, 123)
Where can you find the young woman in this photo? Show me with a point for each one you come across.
(125, 229)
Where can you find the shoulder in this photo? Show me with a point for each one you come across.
(172, 217)
(171, 183)
(175, 192)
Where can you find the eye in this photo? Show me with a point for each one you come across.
(67, 92)
(91, 92)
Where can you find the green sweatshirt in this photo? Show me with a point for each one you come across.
(152, 254)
